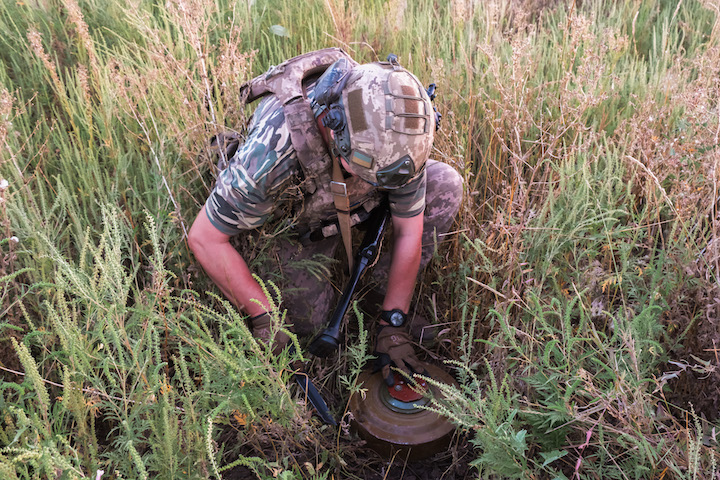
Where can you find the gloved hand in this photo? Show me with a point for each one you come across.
(261, 328)
(393, 347)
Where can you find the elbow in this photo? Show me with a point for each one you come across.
(204, 240)
(197, 241)
(194, 242)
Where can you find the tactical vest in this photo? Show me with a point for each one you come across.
(287, 82)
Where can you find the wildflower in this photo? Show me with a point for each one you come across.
(14, 239)
(3, 184)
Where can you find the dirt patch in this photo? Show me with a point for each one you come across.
(356, 460)
(696, 371)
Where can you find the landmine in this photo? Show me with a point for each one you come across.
(392, 419)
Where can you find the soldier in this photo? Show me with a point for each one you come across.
(328, 142)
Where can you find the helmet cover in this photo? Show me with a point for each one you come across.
(382, 118)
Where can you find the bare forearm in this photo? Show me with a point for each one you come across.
(404, 266)
(230, 273)
(226, 268)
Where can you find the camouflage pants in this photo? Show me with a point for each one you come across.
(309, 297)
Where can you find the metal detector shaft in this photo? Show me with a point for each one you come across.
(314, 397)
(329, 340)
(312, 394)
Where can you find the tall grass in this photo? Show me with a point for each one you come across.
(578, 292)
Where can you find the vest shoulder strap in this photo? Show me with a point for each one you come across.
(285, 81)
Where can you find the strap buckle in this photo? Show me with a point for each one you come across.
(338, 189)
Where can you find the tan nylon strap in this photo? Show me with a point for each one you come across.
(338, 188)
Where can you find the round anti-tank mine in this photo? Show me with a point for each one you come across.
(392, 418)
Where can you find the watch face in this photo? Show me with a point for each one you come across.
(397, 319)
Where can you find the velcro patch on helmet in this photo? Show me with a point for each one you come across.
(358, 122)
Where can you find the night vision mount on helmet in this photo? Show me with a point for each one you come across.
(382, 118)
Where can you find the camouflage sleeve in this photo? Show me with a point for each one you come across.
(241, 207)
(409, 201)
(245, 192)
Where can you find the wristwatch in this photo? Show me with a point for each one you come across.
(395, 317)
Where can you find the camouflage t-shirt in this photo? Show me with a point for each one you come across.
(246, 193)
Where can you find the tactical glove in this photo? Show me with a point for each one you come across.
(393, 347)
(261, 328)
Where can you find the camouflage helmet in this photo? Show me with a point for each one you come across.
(382, 118)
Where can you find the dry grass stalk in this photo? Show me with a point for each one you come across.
(342, 18)
(83, 82)
(462, 10)
(6, 109)
(233, 68)
(35, 39)
(82, 31)
(6, 106)
(395, 13)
